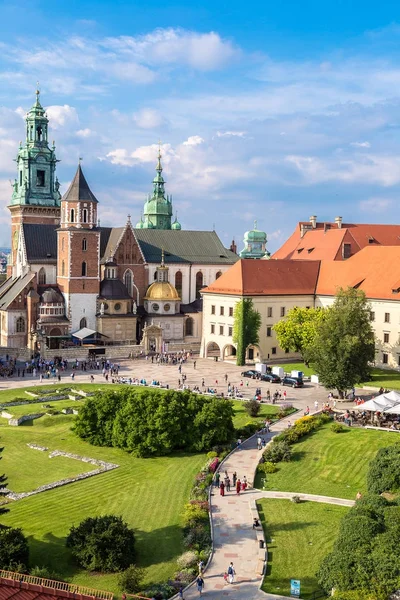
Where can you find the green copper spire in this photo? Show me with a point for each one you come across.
(36, 183)
(255, 244)
(157, 213)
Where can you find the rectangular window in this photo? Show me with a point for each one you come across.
(231, 311)
(221, 330)
(221, 311)
(283, 311)
(40, 178)
(346, 252)
(269, 331)
(372, 315)
(230, 331)
(20, 178)
(386, 338)
(212, 328)
(385, 358)
(269, 312)
(273, 350)
(213, 309)
(387, 317)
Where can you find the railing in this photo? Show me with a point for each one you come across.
(58, 585)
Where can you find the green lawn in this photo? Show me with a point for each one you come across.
(329, 463)
(9, 394)
(385, 378)
(241, 417)
(297, 366)
(298, 536)
(148, 493)
(29, 409)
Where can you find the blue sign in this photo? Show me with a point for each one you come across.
(295, 588)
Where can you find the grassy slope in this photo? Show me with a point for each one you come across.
(148, 493)
(241, 417)
(330, 464)
(298, 538)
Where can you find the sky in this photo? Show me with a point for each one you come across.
(268, 111)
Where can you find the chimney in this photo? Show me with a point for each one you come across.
(313, 221)
(233, 247)
(338, 221)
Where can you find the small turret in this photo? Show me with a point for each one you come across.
(255, 244)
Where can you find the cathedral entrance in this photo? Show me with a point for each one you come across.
(152, 338)
(54, 338)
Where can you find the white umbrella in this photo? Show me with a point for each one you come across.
(393, 410)
(380, 403)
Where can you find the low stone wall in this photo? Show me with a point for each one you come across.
(17, 421)
(102, 465)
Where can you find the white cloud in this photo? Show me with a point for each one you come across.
(148, 118)
(143, 154)
(375, 205)
(193, 140)
(231, 133)
(61, 115)
(84, 133)
(361, 144)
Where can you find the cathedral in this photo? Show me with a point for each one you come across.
(71, 281)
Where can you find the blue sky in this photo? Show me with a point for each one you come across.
(271, 111)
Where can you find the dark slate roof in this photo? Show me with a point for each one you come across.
(40, 242)
(109, 238)
(52, 296)
(202, 247)
(12, 291)
(79, 189)
(193, 307)
(113, 289)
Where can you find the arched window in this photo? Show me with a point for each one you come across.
(63, 268)
(82, 323)
(84, 244)
(199, 283)
(84, 215)
(42, 277)
(128, 281)
(189, 326)
(218, 275)
(20, 325)
(84, 269)
(178, 282)
(72, 215)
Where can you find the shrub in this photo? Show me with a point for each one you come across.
(338, 428)
(252, 407)
(185, 575)
(45, 573)
(197, 537)
(268, 467)
(103, 544)
(195, 512)
(187, 559)
(213, 465)
(384, 471)
(14, 550)
(277, 452)
(212, 454)
(296, 499)
(130, 580)
(160, 591)
(248, 430)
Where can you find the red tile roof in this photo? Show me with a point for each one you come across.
(327, 239)
(375, 270)
(21, 587)
(249, 277)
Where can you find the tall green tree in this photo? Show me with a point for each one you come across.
(246, 326)
(344, 345)
(297, 332)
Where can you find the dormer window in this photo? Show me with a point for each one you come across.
(310, 250)
(300, 250)
(371, 240)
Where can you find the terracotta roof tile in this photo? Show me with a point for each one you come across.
(250, 277)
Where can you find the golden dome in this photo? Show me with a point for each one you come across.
(161, 290)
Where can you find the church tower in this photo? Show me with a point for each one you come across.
(35, 197)
(78, 253)
(157, 213)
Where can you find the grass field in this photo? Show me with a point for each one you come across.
(299, 536)
(329, 463)
(148, 493)
(241, 417)
(297, 366)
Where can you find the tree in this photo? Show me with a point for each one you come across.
(246, 326)
(103, 544)
(131, 579)
(344, 344)
(297, 332)
(14, 550)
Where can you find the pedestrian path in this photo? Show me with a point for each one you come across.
(234, 538)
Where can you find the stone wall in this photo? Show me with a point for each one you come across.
(17, 421)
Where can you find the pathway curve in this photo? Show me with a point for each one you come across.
(234, 538)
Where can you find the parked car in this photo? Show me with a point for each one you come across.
(271, 378)
(294, 382)
(251, 373)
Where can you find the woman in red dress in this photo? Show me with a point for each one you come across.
(238, 485)
(222, 489)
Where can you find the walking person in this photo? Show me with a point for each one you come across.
(231, 573)
(234, 478)
(200, 584)
(259, 443)
(217, 476)
(238, 486)
(228, 485)
(222, 489)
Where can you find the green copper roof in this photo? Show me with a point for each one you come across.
(157, 212)
(255, 244)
